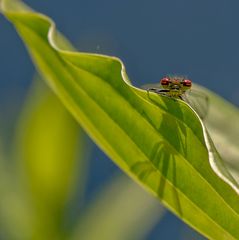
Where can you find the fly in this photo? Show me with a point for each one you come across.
(181, 88)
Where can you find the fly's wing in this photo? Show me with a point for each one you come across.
(151, 86)
(198, 101)
(155, 87)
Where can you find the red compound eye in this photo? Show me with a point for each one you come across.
(187, 83)
(165, 81)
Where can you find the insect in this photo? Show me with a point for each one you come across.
(173, 86)
(181, 88)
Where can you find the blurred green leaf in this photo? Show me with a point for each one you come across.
(15, 212)
(158, 141)
(120, 211)
(47, 148)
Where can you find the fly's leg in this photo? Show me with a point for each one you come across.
(158, 91)
(181, 98)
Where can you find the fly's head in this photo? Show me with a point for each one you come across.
(175, 84)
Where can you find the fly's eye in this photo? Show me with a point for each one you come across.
(165, 81)
(187, 83)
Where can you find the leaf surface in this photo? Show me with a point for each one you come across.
(225, 130)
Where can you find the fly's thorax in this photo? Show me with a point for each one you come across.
(175, 94)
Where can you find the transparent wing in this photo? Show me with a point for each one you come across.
(150, 86)
(198, 101)
(155, 88)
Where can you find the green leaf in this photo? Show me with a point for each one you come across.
(48, 150)
(117, 211)
(225, 130)
(15, 212)
(158, 141)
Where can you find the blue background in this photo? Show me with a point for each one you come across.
(199, 39)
